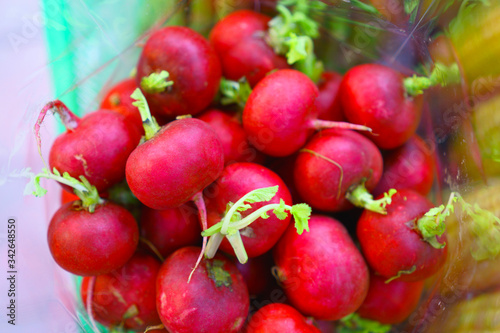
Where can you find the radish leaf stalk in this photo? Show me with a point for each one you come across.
(360, 197)
(235, 92)
(156, 82)
(232, 223)
(83, 189)
(151, 127)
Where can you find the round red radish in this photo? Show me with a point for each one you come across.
(170, 229)
(393, 246)
(126, 296)
(179, 161)
(331, 163)
(278, 318)
(409, 166)
(235, 27)
(322, 272)
(232, 136)
(118, 99)
(374, 95)
(390, 303)
(328, 101)
(235, 181)
(192, 64)
(95, 243)
(215, 300)
(251, 58)
(278, 114)
(97, 147)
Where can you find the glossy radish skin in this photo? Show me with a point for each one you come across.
(278, 318)
(98, 148)
(278, 114)
(192, 64)
(235, 181)
(251, 58)
(328, 101)
(118, 99)
(95, 243)
(373, 95)
(235, 27)
(232, 136)
(390, 244)
(321, 183)
(170, 229)
(390, 303)
(322, 272)
(215, 300)
(181, 159)
(410, 166)
(130, 290)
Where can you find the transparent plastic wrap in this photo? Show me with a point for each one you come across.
(95, 44)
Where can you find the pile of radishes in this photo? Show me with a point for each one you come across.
(198, 224)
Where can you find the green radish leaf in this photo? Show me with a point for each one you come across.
(156, 82)
(301, 214)
(264, 215)
(280, 211)
(354, 323)
(34, 187)
(258, 195)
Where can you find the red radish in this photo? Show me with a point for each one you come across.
(332, 165)
(278, 318)
(328, 101)
(235, 27)
(257, 273)
(409, 166)
(235, 181)
(393, 245)
(232, 136)
(118, 99)
(126, 296)
(97, 243)
(175, 163)
(215, 300)
(68, 197)
(96, 146)
(192, 66)
(253, 59)
(322, 272)
(374, 95)
(239, 41)
(281, 113)
(170, 229)
(180, 160)
(390, 303)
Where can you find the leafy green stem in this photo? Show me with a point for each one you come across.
(235, 92)
(232, 223)
(83, 189)
(360, 197)
(149, 123)
(156, 82)
(441, 75)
